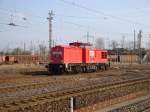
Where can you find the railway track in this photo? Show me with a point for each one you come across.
(24, 87)
(35, 83)
(23, 91)
(146, 110)
(141, 106)
(61, 94)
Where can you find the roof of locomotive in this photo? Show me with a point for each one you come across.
(75, 44)
(79, 45)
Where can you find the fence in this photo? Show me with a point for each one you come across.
(123, 58)
(23, 59)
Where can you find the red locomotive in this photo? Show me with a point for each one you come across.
(76, 58)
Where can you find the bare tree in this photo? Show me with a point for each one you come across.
(148, 45)
(122, 42)
(99, 43)
(18, 51)
(114, 44)
(42, 49)
(2, 53)
(130, 45)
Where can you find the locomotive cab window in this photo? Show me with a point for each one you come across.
(104, 55)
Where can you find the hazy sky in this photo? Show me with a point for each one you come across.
(109, 19)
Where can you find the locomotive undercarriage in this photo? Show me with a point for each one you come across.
(76, 68)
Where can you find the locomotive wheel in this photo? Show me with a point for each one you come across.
(96, 68)
(102, 68)
(57, 69)
(74, 70)
(105, 67)
(84, 70)
(77, 69)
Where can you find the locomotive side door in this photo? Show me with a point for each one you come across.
(92, 55)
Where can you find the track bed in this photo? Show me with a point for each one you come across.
(27, 92)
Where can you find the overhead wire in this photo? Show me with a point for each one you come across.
(56, 15)
(68, 22)
(76, 17)
(100, 12)
(24, 16)
(143, 11)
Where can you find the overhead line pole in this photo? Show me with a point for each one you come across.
(134, 41)
(88, 36)
(50, 18)
(139, 46)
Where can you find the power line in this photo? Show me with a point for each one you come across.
(76, 24)
(100, 12)
(40, 17)
(13, 24)
(86, 8)
(68, 22)
(19, 14)
(86, 27)
(77, 5)
(144, 11)
(78, 17)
